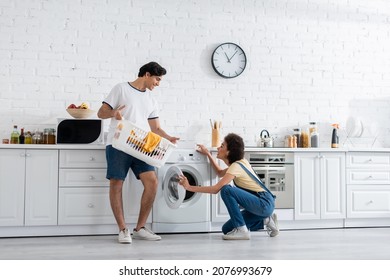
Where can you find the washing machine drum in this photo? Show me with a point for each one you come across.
(174, 193)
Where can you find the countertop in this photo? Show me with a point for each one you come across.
(247, 149)
(311, 150)
(54, 147)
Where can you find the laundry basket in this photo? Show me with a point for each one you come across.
(130, 139)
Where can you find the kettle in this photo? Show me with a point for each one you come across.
(265, 140)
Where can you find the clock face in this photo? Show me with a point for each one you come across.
(228, 60)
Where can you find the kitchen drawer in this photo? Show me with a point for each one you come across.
(368, 177)
(368, 160)
(84, 206)
(83, 178)
(368, 201)
(83, 159)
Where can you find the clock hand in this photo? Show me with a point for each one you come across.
(233, 55)
(227, 57)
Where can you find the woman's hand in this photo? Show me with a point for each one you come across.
(184, 182)
(202, 149)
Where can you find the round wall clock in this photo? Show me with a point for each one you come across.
(228, 60)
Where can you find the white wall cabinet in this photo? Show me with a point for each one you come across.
(28, 187)
(368, 185)
(320, 185)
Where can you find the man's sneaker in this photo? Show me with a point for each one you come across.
(124, 236)
(146, 234)
(271, 224)
(237, 234)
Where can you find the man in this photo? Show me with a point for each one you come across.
(133, 101)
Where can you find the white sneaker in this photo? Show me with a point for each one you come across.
(271, 224)
(124, 236)
(237, 234)
(146, 234)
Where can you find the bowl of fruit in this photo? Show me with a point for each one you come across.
(80, 112)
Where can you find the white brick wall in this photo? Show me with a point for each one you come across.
(308, 60)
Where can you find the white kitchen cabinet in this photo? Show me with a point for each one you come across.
(28, 187)
(368, 185)
(84, 190)
(219, 212)
(320, 191)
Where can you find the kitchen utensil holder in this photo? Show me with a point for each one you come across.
(215, 137)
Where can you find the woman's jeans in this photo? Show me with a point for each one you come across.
(256, 207)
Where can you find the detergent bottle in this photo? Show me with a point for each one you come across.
(335, 137)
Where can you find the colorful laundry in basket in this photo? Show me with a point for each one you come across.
(147, 144)
(151, 141)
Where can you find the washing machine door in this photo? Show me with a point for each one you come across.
(174, 193)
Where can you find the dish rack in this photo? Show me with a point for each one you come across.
(130, 139)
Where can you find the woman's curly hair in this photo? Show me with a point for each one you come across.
(235, 146)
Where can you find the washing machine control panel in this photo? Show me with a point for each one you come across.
(190, 157)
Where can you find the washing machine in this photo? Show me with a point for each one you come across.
(176, 209)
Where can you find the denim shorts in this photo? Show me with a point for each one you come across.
(119, 163)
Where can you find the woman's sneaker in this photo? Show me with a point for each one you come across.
(145, 234)
(271, 224)
(237, 234)
(124, 236)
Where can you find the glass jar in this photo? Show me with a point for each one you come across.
(46, 136)
(314, 136)
(52, 136)
(297, 134)
(28, 138)
(305, 138)
(49, 136)
(37, 138)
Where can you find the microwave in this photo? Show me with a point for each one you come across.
(80, 131)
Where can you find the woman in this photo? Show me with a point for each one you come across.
(257, 203)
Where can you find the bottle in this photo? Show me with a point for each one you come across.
(21, 136)
(15, 135)
(28, 138)
(314, 136)
(335, 137)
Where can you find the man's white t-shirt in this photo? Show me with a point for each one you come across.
(140, 106)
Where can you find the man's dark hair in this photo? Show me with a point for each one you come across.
(153, 68)
(235, 146)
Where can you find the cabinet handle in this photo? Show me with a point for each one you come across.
(91, 178)
(369, 177)
(91, 159)
(25, 155)
(370, 202)
(90, 205)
